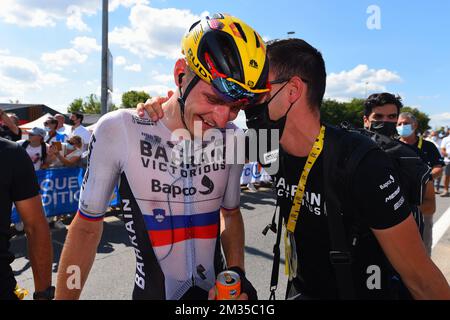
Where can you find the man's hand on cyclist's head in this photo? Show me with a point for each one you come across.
(153, 107)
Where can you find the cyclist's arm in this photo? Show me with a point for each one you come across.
(107, 151)
(428, 206)
(232, 225)
(232, 235)
(404, 248)
(77, 257)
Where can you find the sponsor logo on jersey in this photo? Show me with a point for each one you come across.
(142, 121)
(387, 183)
(207, 182)
(175, 190)
(271, 156)
(151, 138)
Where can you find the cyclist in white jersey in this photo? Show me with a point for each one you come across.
(177, 213)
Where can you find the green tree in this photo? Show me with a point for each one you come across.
(335, 112)
(76, 105)
(130, 99)
(422, 118)
(92, 104)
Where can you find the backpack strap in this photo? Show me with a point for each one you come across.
(25, 144)
(276, 251)
(343, 151)
(43, 151)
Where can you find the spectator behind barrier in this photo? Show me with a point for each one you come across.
(9, 126)
(76, 120)
(36, 148)
(51, 126)
(60, 118)
(73, 153)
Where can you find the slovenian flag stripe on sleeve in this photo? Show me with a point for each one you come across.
(88, 217)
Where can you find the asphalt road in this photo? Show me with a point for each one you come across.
(112, 276)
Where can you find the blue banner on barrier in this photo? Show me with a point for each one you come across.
(60, 191)
(252, 173)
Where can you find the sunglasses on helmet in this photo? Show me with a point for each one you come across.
(231, 90)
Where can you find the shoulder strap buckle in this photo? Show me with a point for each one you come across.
(340, 257)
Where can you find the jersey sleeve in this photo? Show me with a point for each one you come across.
(24, 184)
(232, 196)
(377, 194)
(107, 155)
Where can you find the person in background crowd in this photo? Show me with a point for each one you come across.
(436, 138)
(445, 149)
(73, 153)
(76, 120)
(18, 185)
(36, 147)
(61, 119)
(407, 126)
(9, 126)
(51, 126)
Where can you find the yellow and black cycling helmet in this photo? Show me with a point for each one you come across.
(228, 54)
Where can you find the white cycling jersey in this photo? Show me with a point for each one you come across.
(171, 210)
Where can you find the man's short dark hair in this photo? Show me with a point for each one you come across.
(296, 57)
(381, 99)
(79, 116)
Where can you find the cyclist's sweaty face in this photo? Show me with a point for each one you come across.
(204, 106)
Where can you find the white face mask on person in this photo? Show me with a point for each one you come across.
(405, 130)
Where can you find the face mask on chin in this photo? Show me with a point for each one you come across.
(258, 116)
(385, 128)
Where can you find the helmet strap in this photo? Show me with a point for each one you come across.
(183, 96)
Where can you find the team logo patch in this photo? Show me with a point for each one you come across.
(254, 64)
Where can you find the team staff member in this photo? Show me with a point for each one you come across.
(407, 126)
(19, 186)
(297, 73)
(381, 114)
(175, 213)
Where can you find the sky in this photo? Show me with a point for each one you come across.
(50, 50)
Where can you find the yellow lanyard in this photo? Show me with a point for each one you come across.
(312, 157)
(289, 240)
(419, 145)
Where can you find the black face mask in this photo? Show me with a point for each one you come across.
(258, 116)
(385, 128)
(71, 122)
